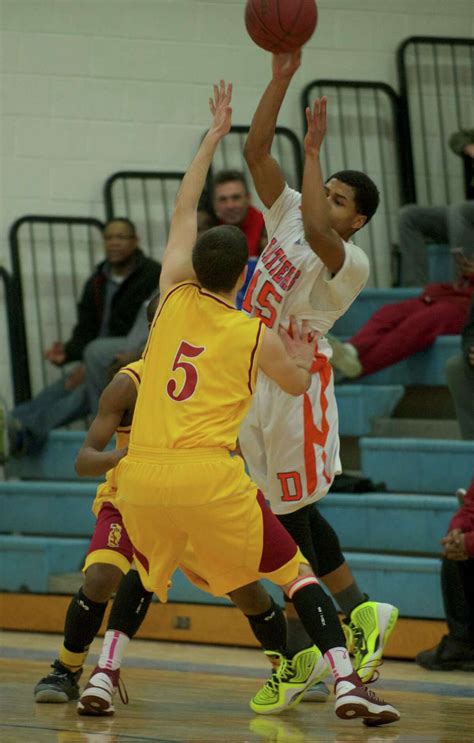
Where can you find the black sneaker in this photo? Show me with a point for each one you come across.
(449, 655)
(60, 686)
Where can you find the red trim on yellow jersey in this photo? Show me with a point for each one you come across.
(252, 356)
(132, 371)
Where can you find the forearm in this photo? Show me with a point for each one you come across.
(93, 463)
(194, 180)
(314, 206)
(262, 130)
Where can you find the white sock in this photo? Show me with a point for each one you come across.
(340, 662)
(113, 649)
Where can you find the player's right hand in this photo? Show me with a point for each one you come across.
(285, 65)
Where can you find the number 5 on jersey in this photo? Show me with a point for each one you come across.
(191, 376)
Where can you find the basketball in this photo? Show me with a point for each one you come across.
(280, 25)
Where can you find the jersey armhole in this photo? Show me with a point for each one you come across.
(255, 355)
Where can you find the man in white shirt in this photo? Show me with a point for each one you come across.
(309, 270)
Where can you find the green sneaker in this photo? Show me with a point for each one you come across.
(289, 680)
(371, 624)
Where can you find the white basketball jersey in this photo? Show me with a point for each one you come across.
(290, 279)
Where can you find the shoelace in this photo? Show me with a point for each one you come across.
(122, 691)
(376, 675)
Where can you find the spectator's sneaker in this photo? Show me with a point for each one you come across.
(371, 624)
(59, 686)
(4, 447)
(318, 692)
(354, 700)
(449, 655)
(289, 680)
(345, 358)
(98, 696)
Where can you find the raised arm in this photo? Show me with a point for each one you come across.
(118, 397)
(287, 357)
(177, 260)
(266, 173)
(321, 237)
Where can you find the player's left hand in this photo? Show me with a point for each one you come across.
(221, 109)
(301, 343)
(316, 121)
(455, 545)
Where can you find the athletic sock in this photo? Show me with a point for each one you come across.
(113, 649)
(317, 613)
(340, 662)
(130, 605)
(349, 598)
(270, 628)
(82, 623)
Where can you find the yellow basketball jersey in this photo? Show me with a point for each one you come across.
(199, 374)
(107, 489)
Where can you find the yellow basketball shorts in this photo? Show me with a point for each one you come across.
(199, 510)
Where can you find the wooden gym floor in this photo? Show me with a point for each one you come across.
(183, 692)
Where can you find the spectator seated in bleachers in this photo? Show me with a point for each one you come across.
(460, 376)
(456, 649)
(399, 330)
(112, 300)
(452, 225)
(230, 203)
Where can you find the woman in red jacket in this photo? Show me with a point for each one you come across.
(456, 649)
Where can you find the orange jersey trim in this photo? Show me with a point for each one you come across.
(252, 357)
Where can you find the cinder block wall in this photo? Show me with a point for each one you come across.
(93, 86)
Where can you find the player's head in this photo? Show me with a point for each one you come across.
(230, 196)
(152, 306)
(353, 198)
(220, 259)
(121, 241)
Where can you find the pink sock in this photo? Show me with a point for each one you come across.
(113, 648)
(340, 662)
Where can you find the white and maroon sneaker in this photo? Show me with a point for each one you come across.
(98, 696)
(354, 700)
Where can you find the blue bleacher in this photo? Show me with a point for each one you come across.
(418, 465)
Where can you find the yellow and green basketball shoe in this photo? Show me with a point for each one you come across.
(289, 680)
(371, 624)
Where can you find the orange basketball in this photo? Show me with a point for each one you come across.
(281, 25)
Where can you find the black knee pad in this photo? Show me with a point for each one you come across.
(326, 544)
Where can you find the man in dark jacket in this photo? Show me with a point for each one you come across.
(110, 302)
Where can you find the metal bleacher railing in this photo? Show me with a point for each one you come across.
(147, 197)
(51, 259)
(436, 76)
(364, 133)
(9, 328)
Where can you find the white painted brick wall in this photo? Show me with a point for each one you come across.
(95, 86)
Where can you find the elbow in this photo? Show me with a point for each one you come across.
(78, 466)
(251, 154)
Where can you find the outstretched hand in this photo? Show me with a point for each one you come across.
(316, 121)
(285, 65)
(300, 344)
(221, 109)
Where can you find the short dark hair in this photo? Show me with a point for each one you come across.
(366, 193)
(226, 176)
(126, 220)
(219, 257)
